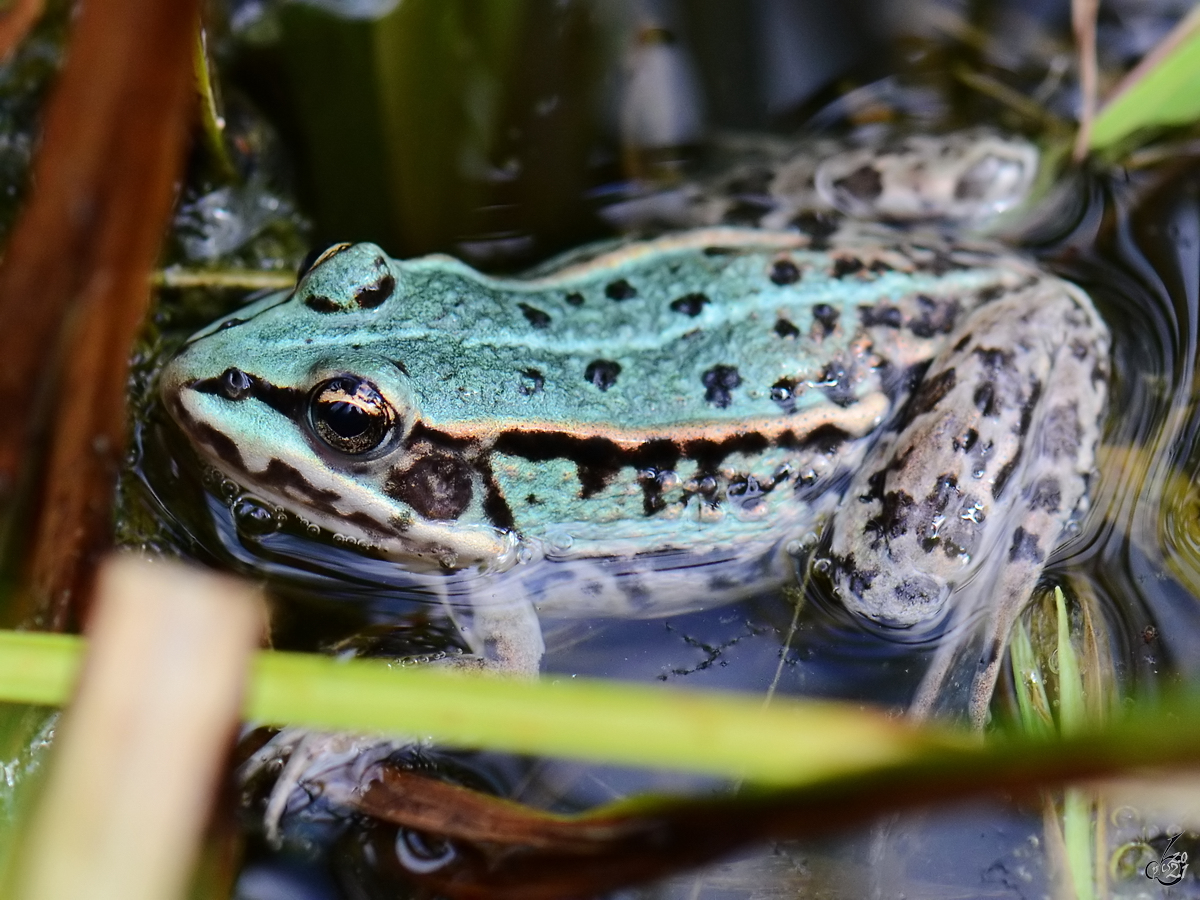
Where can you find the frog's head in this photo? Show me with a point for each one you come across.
(294, 399)
(962, 177)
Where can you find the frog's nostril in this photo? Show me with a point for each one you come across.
(235, 384)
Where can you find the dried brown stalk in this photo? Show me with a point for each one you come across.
(1083, 22)
(15, 23)
(76, 271)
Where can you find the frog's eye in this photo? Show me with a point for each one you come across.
(350, 415)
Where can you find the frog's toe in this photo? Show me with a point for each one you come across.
(321, 768)
(892, 598)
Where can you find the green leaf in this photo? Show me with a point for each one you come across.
(724, 734)
(1164, 89)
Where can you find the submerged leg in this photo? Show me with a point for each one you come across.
(958, 507)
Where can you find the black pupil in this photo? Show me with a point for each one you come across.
(350, 415)
(347, 419)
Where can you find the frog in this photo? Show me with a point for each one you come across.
(654, 424)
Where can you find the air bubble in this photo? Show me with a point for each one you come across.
(254, 518)
(822, 565)
(525, 555)
(794, 548)
(561, 542)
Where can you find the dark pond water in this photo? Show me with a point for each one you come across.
(496, 135)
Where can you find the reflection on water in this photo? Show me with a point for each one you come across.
(1132, 241)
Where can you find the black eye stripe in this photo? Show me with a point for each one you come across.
(237, 385)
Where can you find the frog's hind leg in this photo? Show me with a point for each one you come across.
(960, 505)
(1058, 459)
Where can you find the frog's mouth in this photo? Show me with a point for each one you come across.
(252, 432)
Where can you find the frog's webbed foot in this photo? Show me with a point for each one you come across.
(960, 503)
(331, 768)
(962, 677)
(320, 766)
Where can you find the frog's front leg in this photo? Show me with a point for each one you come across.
(505, 637)
(958, 506)
(504, 634)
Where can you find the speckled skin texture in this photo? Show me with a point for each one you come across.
(643, 430)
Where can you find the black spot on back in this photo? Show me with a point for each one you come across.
(1005, 474)
(846, 265)
(718, 382)
(826, 316)
(532, 382)
(689, 304)
(784, 271)
(936, 317)
(836, 383)
(881, 314)
(985, 398)
(783, 392)
(620, 290)
(786, 329)
(967, 441)
(574, 298)
(602, 373)
(892, 521)
(819, 226)
(534, 316)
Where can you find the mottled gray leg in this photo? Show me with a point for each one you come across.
(957, 510)
(507, 636)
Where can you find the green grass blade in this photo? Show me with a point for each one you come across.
(1032, 703)
(1078, 808)
(1072, 709)
(1163, 90)
(721, 734)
